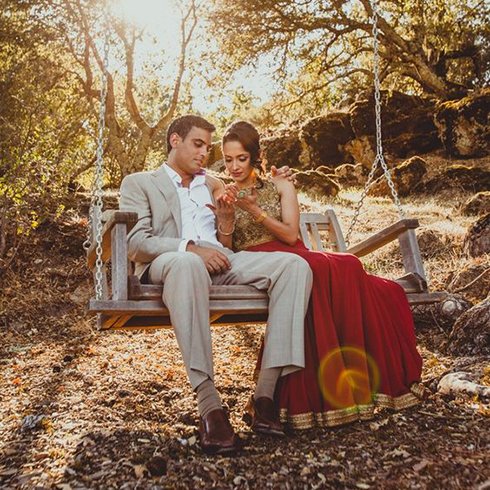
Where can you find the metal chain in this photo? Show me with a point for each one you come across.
(96, 203)
(379, 158)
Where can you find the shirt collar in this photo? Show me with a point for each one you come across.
(199, 177)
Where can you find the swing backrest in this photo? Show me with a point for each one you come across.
(312, 224)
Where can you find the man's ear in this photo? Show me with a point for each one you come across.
(174, 139)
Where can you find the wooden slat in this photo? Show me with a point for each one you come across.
(317, 239)
(115, 217)
(412, 283)
(303, 229)
(425, 298)
(119, 262)
(335, 232)
(383, 237)
(155, 307)
(154, 291)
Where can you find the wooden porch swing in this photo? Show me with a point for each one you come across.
(122, 302)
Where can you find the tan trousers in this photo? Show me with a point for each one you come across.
(286, 277)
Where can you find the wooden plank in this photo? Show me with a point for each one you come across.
(412, 283)
(155, 291)
(303, 229)
(115, 217)
(383, 237)
(158, 322)
(317, 239)
(119, 262)
(335, 232)
(425, 298)
(155, 307)
(409, 247)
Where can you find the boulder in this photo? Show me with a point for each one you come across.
(459, 177)
(283, 149)
(471, 332)
(431, 243)
(478, 204)
(362, 150)
(323, 138)
(463, 125)
(473, 282)
(351, 175)
(477, 238)
(313, 181)
(407, 177)
(407, 123)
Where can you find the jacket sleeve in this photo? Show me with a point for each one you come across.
(143, 245)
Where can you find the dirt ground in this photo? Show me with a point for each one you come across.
(82, 409)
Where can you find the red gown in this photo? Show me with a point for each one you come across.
(360, 346)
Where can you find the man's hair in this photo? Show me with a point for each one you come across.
(182, 126)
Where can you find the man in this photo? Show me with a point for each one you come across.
(174, 243)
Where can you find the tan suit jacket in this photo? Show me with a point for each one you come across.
(159, 228)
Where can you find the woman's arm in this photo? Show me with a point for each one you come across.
(287, 230)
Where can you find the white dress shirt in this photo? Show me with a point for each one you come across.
(198, 221)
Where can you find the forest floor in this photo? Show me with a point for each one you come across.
(83, 409)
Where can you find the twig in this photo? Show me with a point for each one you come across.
(473, 281)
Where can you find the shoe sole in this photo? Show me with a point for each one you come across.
(247, 418)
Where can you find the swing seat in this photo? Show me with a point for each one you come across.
(133, 305)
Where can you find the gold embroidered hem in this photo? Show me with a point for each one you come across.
(343, 416)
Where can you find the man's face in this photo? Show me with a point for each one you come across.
(189, 154)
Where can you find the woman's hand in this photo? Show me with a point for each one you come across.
(247, 200)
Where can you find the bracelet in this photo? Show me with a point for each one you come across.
(224, 233)
(261, 217)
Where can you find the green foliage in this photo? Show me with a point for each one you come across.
(321, 52)
(42, 138)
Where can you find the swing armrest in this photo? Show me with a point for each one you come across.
(113, 218)
(383, 237)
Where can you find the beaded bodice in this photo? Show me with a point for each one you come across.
(247, 231)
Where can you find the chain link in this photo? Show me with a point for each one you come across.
(94, 231)
(379, 158)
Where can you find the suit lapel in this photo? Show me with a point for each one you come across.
(164, 184)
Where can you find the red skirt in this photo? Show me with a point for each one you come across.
(360, 347)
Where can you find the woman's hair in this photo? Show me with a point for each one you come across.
(246, 134)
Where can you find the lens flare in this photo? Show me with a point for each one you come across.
(348, 376)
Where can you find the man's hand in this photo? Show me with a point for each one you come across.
(284, 172)
(224, 209)
(216, 262)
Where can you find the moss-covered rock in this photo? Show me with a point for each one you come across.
(477, 238)
(473, 282)
(464, 124)
(407, 123)
(351, 175)
(477, 204)
(323, 138)
(459, 177)
(407, 177)
(283, 149)
(318, 183)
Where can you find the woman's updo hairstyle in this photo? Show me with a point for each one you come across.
(248, 136)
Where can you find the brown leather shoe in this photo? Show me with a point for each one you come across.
(262, 417)
(217, 434)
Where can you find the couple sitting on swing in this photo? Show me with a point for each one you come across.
(338, 342)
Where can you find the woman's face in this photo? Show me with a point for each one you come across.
(237, 161)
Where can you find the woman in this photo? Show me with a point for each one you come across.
(360, 345)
